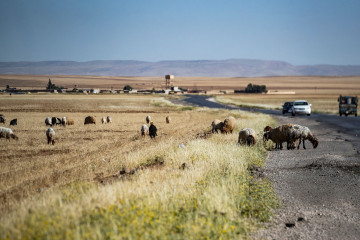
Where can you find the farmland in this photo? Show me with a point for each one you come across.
(105, 181)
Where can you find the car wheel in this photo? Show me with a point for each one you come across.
(309, 114)
(283, 112)
(340, 114)
(293, 113)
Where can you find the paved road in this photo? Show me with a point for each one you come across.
(319, 188)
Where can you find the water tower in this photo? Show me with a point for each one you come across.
(169, 81)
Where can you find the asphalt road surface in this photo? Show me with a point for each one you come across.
(319, 188)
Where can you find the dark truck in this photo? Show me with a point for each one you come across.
(348, 105)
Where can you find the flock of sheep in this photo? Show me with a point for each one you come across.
(288, 133)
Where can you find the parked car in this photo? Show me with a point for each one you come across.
(287, 107)
(301, 107)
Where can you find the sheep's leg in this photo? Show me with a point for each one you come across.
(281, 146)
(299, 144)
(304, 143)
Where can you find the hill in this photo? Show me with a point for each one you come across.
(200, 68)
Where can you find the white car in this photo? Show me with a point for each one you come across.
(301, 107)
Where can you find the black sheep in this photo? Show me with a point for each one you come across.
(152, 130)
(13, 122)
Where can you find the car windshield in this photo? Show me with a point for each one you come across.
(288, 104)
(300, 103)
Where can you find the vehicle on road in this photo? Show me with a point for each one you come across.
(286, 108)
(348, 105)
(301, 107)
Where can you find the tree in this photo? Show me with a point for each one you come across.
(127, 88)
(50, 85)
(255, 88)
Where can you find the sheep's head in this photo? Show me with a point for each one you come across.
(250, 140)
(266, 136)
(267, 128)
(14, 137)
(315, 142)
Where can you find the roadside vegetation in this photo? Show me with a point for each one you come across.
(112, 184)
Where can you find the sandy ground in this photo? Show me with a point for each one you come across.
(319, 189)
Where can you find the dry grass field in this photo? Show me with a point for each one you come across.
(106, 181)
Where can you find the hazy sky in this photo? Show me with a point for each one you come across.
(299, 32)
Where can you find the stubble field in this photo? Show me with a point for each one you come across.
(106, 181)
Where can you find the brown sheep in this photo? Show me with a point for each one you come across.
(103, 120)
(148, 119)
(168, 119)
(90, 120)
(216, 125)
(229, 125)
(279, 135)
(69, 121)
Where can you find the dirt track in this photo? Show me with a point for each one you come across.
(319, 188)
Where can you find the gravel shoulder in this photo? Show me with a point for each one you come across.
(319, 188)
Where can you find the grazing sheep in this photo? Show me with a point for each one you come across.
(108, 119)
(279, 135)
(152, 130)
(63, 121)
(229, 125)
(13, 122)
(168, 119)
(69, 121)
(50, 134)
(58, 121)
(303, 133)
(2, 119)
(90, 120)
(53, 121)
(216, 125)
(144, 130)
(103, 120)
(7, 133)
(48, 121)
(148, 119)
(247, 136)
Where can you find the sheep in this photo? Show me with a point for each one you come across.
(63, 121)
(168, 119)
(278, 135)
(216, 125)
(152, 130)
(266, 129)
(50, 134)
(53, 121)
(7, 133)
(103, 120)
(2, 119)
(247, 136)
(48, 121)
(303, 133)
(69, 121)
(148, 119)
(229, 125)
(144, 130)
(58, 121)
(108, 119)
(13, 122)
(90, 120)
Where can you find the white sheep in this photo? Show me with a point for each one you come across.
(303, 133)
(63, 121)
(48, 121)
(7, 133)
(50, 134)
(103, 120)
(247, 136)
(108, 119)
(144, 130)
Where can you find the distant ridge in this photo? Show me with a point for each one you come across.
(199, 68)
